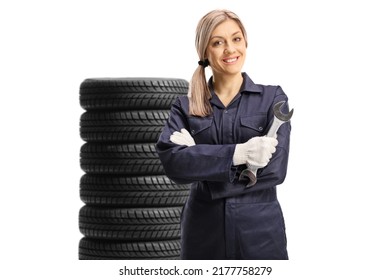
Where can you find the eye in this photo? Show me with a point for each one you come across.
(217, 43)
(237, 39)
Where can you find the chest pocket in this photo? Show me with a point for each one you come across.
(200, 129)
(252, 126)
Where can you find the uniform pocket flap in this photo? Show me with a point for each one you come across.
(258, 122)
(197, 125)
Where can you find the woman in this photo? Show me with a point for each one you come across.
(213, 135)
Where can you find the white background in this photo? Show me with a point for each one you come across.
(330, 57)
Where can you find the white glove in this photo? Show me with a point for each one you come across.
(182, 138)
(257, 151)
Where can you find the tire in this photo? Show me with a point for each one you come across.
(134, 159)
(140, 183)
(132, 191)
(133, 167)
(91, 249)
(131, 93)
(125, 216)
(134, 198)
(131, 232)
(124, 118)
(121, 134)
(132, 224)
(118, 151)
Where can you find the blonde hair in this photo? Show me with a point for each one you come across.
(199, 93)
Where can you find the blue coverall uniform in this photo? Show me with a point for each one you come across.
(222, 219)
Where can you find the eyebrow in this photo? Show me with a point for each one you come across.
(235, 33)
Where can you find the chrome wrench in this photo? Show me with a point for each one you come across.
(279, 119)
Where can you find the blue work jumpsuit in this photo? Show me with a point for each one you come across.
(222, 219)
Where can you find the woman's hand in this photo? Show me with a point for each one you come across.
(182, 138)
(257, 151)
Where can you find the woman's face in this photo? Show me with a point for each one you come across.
(226, 50)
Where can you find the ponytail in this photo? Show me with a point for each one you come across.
(199, 94)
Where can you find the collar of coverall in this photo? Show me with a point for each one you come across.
(247, 85)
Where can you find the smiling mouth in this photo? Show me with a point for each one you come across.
(230, 60)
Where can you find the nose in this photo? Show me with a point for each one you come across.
(229, 49)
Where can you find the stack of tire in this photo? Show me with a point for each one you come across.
(131, 209)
